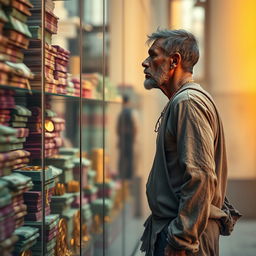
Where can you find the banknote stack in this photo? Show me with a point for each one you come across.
(33, 61)
(90, 190)
(61, 69)
(51, 21)
(27, 238)
(7, 222)
(36, 30)
(66, 164)
(50, 234)
(19, 119)
(12, 160)
(12, 155)
(18, 184)
(33, 143)
(76, 83)
(4, 70)
(7, 103)
(13, 40)
(34, 202)
(73, 86)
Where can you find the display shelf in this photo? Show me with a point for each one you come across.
(31, 92)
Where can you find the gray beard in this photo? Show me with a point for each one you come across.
(150, 84)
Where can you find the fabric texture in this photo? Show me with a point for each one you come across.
(187, 183)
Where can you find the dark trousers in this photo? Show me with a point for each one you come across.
(209, 241)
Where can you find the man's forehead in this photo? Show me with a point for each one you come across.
(157, 44)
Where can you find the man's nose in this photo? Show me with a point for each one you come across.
(145, 63)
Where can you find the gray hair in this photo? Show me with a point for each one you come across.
(178, 41)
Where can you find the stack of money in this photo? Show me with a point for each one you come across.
(73, 88)
(12, 160)
(8, 139)
(51, 21)
(66, 164)
(76, 86)
(36, 174)
(13, 40)
(61, 69)
(18, 184)
(34, 143)
(7, 103)
(19, 118)
(90, 190)
(27, 238)
(32, 60)
(50, 234)
(7, 222)
(16, 30)
(33, 200)
(85, 167)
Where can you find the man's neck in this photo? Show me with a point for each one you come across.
(178, 82)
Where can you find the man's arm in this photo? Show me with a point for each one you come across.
(195, 147)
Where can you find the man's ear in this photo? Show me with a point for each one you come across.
(175, 60)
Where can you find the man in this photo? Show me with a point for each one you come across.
(187, 184)
(126, 131)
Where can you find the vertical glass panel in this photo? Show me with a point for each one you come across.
(92, 126)
(123, 134)
(62, 122)
(113, 186)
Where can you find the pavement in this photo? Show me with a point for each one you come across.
(242, 241)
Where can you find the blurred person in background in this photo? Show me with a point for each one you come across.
(187, 184)
(126, 131)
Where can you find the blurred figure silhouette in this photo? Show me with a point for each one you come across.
(126, 131)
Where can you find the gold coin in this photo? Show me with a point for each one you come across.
(49, 126)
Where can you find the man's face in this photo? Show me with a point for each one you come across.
(156, 66)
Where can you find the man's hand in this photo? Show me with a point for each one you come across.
(169, 251)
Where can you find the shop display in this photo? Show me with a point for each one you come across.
(32, 187)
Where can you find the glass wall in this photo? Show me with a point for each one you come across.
(68, 183)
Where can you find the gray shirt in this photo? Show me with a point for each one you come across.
(187, 183)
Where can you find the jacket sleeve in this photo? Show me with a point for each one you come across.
(192, 126)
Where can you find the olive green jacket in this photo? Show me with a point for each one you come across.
(187, 183)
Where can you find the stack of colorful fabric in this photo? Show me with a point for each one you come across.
(60, 72)
(7, 222)
(14, 40)
(76, 83)
(27, 238)
(18, 184)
